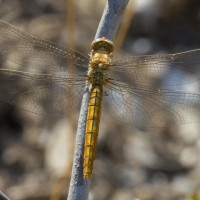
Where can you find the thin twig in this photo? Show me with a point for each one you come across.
(108, 26)
(60, 182)
(3, 196)
(111, 19)
(79, 187)
(12, 15)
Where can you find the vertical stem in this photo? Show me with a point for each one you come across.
(71, 31)
(79, 187)
(111, 19)
(108, 26)
(70, 24)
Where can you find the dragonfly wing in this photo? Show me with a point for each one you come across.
(143, 106)
(27, 50)
(42, 94)
(173, 69)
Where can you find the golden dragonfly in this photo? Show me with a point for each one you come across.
(127, 86)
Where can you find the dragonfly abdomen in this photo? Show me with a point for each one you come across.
(92, 128)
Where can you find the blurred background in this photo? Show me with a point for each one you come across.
(36, 152)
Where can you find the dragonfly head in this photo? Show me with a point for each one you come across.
(103, 45)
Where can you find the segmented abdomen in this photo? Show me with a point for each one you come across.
(92, 128)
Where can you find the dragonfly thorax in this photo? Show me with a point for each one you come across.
(101, 55)
(100, 60)
(102, 50)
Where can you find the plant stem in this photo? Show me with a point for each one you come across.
(108, 26)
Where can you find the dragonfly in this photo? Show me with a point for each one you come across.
(125, 88)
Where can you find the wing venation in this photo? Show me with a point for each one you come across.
(27, 50)
(144, 106)
(171, 69)
(44, 94)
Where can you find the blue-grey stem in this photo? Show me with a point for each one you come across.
(3, 196)
(111, 19)
(108, 26)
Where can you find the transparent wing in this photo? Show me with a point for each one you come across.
(142, 69)
(141, 106)
(42, 94)
(33, 52)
